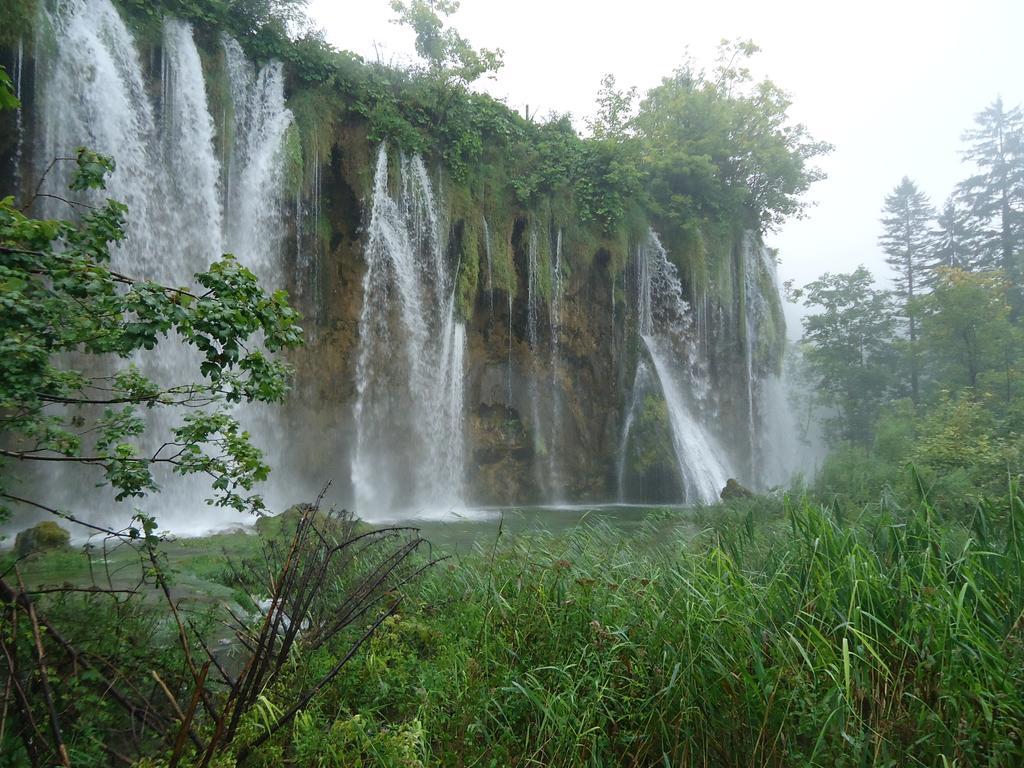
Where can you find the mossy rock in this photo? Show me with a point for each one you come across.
(45, 536)
(284, 524)
(733, 490)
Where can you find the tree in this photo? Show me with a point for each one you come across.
(451, 59)
(614, 111)
(966, 329)
(848, 347)
(63, 307)
(720, 146)
(956, 241)
(995, 193)
(906, 240)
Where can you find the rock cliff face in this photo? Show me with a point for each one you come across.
(448, 325)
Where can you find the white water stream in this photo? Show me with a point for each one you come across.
(411, 356)
(92, 91)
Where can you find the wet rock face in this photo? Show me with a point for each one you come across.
(543, 418)
(546, 388)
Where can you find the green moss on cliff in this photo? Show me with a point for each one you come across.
(18, 17)
(468, 277)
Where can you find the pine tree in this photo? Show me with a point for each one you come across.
(957, 241)
(907, 242)
(996, 192)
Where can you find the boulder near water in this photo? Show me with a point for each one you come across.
(45, 536)
(733, 490)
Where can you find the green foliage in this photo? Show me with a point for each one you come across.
(854, 475)
(719, 146)
(7, 98)
(293, 160)
(966, 327)
(450, 57)
(848, 347)
(357, 742)
(906, 237)
(961, 434)
(18, 16)
(691, 640)
(614, 111)
(908, 244)
(467, 278)
(60, 296)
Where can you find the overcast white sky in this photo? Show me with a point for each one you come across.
(891, 83)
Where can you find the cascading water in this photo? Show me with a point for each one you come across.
(508, 378)
(753, 312)
(490, 266)
(664, 326)
(411, 356)
(17, 74)
(642, 383)
(91, 91)
(777, 450)
(253, 211)
(555, 316)
(190, 160)
(543, 410)
(196, 186)
(786, 450)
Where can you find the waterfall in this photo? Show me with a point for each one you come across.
(641, 384)
(777, 449)
(753, 312)
(540, 448)
(543, 415)
(664, 325)
(411, 354)
(193, 171)
(19, 65)
(92, 91)
(532, 290)
(555, 446)
(254, 215)
(783, 452)
(490, 269)
(508, 394)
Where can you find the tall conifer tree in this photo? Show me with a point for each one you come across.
(957, 241)
(996, 192)
(907, 241)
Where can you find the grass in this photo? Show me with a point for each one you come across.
(793, 638)
(770, 634)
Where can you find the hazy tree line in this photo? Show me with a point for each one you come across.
(922, 365)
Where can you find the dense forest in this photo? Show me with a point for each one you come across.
(926, 373)
(229, 249)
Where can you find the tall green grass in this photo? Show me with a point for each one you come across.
(768, 633)
(791, 638)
